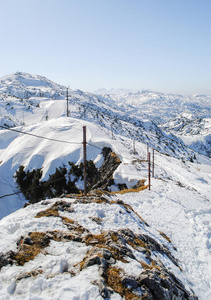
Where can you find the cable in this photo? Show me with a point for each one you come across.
(7, 195)
(37, 187)
(102, 150)
(94, 146)
(39, 136)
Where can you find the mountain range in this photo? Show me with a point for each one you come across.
(42, 127)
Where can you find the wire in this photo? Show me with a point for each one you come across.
(39, 136)
(7, 195)
(55, 140)
(94, 146)
(37, 187)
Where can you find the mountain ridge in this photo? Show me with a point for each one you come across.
(48, 136)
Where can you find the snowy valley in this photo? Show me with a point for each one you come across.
(38, 130)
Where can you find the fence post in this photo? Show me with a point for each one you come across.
(149, 165)
(134, 147)
(84, 151)
(153, 163)
(67, 103)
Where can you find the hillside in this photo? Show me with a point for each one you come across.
(187, 117)
(37, 133)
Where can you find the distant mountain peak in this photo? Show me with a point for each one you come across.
(113, 91)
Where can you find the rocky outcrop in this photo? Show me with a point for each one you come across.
(112, 251)
(110, 164)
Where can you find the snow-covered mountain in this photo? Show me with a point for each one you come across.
(24, 86)
(178, 114)
(162, 107)
(37, 133)
(195, 131)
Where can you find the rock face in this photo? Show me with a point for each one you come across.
(110, 164)
(111, 250)
(163, 285)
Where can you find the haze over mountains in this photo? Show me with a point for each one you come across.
(37, 133)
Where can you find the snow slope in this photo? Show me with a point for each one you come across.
(178, 204)
(167, 207)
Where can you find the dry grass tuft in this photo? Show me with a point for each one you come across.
(100, 200)
(29, 252)
(97, 220)
(67, 220)
(165, 236)
(136, 243)
(122, 192)
(50, 212)
(91, 239)
(116, 158)
(113, 280)
(25, 275)
(153, 265)
(129, 209)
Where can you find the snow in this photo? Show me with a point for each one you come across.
(182, 214)
(178, 204)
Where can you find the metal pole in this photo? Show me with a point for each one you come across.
(1, 116)
(197, 160)
(134, 148)
(147, 151)
(23, 117)
(84, 150)
(67, 103)
(153, 163)
(149, 169)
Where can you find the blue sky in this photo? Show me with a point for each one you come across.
(162, 45)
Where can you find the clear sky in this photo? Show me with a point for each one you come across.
(162, 45)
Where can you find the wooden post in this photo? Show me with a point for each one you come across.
(149, 165)
(84, 151)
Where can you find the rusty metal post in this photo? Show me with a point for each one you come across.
(67, 103)
(153, 163)
(149, 173)
(84, 163)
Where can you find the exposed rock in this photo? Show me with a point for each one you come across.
(97, 220)
(129, 281)
(164, 285)
(153, 245)
(7, 258)
(95, 260)
(107, 169)
(122, 186)
(26, 204)
(29, 274)
(106, 250)
(105, 292)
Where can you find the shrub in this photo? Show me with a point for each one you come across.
(58, 183)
